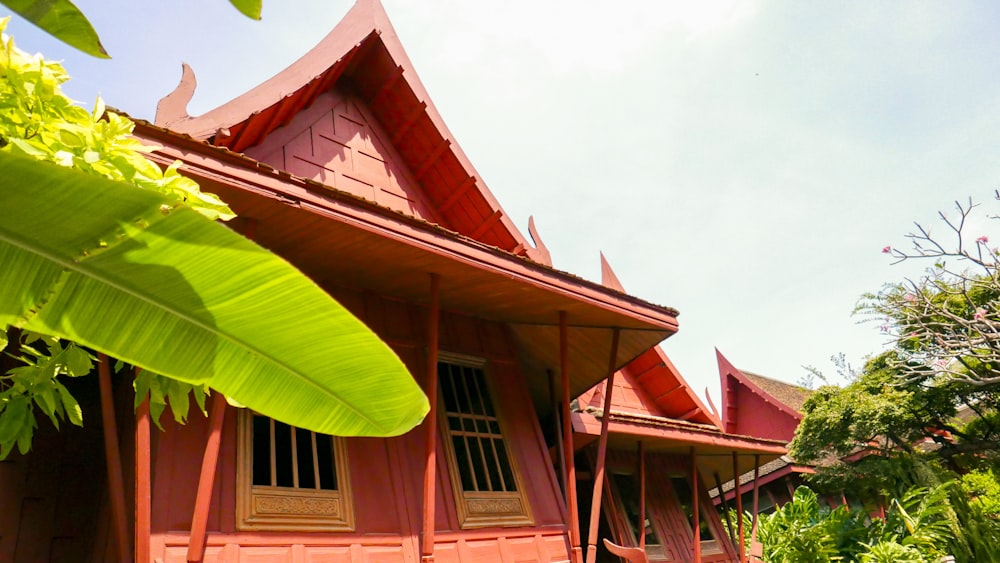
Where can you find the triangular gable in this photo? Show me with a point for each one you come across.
(750, 410)
(652, 378)
(363, 61)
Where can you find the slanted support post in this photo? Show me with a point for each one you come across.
(725, 508)
(642, 495)
(602, 452)
(695, 515)
(739, 508)
(143, 482)
(430, 426)
(206, 480)
(756, 498)
(576, 553)
(113, 459)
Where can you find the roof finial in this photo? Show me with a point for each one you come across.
(540, 253)
(172, 108)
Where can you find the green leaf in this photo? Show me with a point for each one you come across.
(249, 8)
(122, 271)
(72, 408)
(62, 20)
(77, 361)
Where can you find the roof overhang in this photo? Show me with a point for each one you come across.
(713, 448)
(340, 240)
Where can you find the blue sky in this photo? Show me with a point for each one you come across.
(743, 162)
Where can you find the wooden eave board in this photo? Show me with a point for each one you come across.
(363, 53)
(713, 448)
(667, 388)
(341, 240)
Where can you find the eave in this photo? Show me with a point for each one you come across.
(714, 449)
(341, 240)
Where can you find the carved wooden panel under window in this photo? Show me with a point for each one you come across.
(290, 479)
(484, 474)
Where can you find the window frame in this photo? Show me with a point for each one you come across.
(482, 509)
(290, 509)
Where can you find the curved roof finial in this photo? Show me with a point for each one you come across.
(172, 108)
(540, 253)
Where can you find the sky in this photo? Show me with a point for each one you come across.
(742, 162)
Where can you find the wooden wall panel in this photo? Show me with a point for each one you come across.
(339, 143)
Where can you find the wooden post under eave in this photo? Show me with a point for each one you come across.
(725, 509)
(112, 456)
(602, 451)
(739, 508)
(642, 496)
(696, 517)
(143, 483)
(756, 498)
(576, 554)
(206, 481)
(430, 463)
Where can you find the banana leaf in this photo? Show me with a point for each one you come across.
(125, 272)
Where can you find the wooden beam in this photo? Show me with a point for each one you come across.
(576, 553)
(650, 369)
(486, 224)
(725, 509)
(396, 74)
(457, 194)
(690, 413)
(430, 462)
(668, 392)
(756, 497)
(408, 122)
(113, 459)
(143, 482)
(642, 495)
(206, 481)
(695, 515)
(431, 159)
(739, 508)
(557, 421)
(602, 452)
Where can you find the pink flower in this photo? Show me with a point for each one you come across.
(983, 239)
(980, 314)
(886, 249)
(884, 328)
(910, 297)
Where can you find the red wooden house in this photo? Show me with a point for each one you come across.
(755, 405)
(664, 450)
(342, 165)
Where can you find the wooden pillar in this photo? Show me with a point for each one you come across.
(557, 420)
(430, 463)
(576, 553)
(756, 498)
(206, 480)
(602, 452)
(725, 509)
(113, 460)
(739, 508)
(143, 483)
(642, 495)
(695, 515)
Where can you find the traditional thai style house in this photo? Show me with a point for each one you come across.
(755, 405)
(649, 451)
(342, 165)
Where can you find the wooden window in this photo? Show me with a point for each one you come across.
(290, 479)
(485, 479)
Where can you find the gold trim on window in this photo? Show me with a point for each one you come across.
(488, 487)
(309, 498)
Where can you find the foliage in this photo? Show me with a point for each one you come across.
(921, 526)
(146, 276)
(64, 21)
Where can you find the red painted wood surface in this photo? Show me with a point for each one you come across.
(386, 474)
(206, 479)
(143, 482)
(113, 461)
(602, 450)
(576, 554)
(430, 423)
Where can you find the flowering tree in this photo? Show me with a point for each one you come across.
(945, 324)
